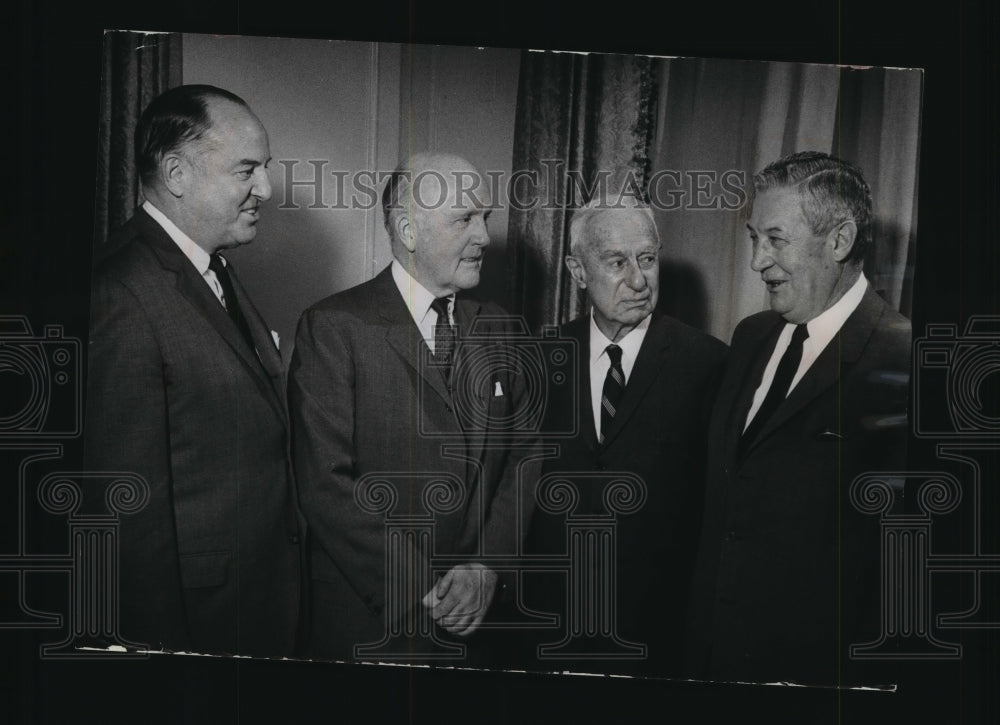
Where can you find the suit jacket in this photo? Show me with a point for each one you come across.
(787, 570)
(658, 433)
(362, 403)
(211, 563)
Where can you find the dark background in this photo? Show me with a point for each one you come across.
(50, 129)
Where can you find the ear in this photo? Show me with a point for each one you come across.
(174, 173)
(842, 237)
(577, 271)
(406, 232)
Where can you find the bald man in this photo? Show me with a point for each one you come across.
(371, 401)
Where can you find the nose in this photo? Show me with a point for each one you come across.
(262, 184)
(761, 258)
(480, 233)
(635, 278)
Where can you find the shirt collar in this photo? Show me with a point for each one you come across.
(629, 344)
(418, 300)
(824, 326)
(198, 256)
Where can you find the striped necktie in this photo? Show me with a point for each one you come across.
(444, 336)
(614, 389)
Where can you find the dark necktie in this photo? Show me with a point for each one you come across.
(614, 389)
(229, 298)
(783, 376)
(444, 336)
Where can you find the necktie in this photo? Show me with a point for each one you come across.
(229, 298)
(783, 376)
(444, 335)
(614, 389)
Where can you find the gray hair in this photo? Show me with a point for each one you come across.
(833, 191)
(583, 218)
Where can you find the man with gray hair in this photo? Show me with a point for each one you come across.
(814, 394)
(376, 412)
(643, 382)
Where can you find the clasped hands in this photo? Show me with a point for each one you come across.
(459, 600)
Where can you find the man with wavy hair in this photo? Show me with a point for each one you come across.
(813, 394)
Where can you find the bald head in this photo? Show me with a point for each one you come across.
(436, 206)
(425, 181)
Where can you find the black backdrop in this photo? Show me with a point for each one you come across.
(49, 147)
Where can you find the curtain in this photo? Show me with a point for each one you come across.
(576, 115)
(137, 67)
(879, 125)
(697, 129)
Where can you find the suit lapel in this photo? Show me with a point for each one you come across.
(742, 383)
(266, 350)
(836, 358)
(402, 333)
(466, 312)
(192, 287)
(267, 353)
(650, 362)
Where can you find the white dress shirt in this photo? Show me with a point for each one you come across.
(600, 363)
(822, 329)
(198, 256)
(418, 301)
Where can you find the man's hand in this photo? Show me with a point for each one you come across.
(461, 597)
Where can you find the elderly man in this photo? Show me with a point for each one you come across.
(185, 388)
(814, 393)
(644, 380)
(376, 418)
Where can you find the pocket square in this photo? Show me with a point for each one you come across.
(828, 433)
(277, 340)
(497, 389)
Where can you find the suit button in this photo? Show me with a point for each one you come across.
(293, 539)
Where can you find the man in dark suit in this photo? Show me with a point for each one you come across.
(379, 428)
(185, 388)
(814, 394)
(643, 382)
